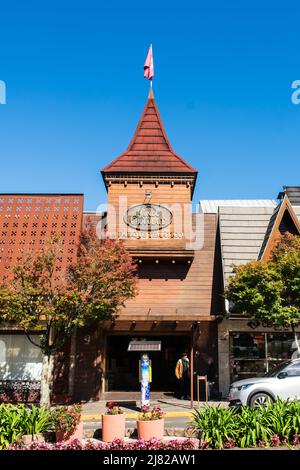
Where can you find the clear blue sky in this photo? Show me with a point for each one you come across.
(75, 91)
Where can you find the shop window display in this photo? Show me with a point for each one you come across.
(254, 354)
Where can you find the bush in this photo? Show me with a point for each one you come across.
(150, 414)
(66, 418)
(275, 424)
(19, 420)
(117, 444)
(112, 408)
(216, 425)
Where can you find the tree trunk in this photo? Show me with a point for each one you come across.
(46, 380)
(296, 341)
(72, 364)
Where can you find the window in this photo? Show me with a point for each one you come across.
(247, 355)
(19, 359)
(254, 354)
(293, 370)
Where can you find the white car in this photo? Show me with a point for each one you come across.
(282, 382)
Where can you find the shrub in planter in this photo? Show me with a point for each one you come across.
(22, 422)
(36, 422)
(274, 425)
(67, 423)
(113, 422)
(150, 423)
(10, 425)
(216, 425)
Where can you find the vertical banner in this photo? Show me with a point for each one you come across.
(145, 379)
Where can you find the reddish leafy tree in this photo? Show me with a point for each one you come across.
(91, 290)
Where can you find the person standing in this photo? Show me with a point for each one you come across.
(211, 375)
(182, 372)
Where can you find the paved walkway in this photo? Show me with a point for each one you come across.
(173, 408)
(177, 418)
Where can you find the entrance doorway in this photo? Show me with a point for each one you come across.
(123, 366)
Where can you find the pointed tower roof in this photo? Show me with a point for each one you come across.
(150, 151)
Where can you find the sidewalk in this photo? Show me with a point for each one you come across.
(173, 408)
(177, 419)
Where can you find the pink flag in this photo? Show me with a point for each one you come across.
(149, 66)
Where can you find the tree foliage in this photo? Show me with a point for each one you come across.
(39, 299)
(270, 290)
(92, 289)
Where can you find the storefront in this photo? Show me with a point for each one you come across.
(123, 365)
(249, 349)
(149, 191)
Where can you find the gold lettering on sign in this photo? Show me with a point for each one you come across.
(148, 217)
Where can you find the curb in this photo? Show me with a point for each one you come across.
(169, 414)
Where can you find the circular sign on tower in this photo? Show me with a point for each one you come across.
(148, 217)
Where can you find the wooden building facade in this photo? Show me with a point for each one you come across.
(184, 260)
(179, 275)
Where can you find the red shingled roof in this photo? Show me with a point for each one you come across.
(27, 221)
(149, 150)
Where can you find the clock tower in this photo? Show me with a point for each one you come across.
(150, 189)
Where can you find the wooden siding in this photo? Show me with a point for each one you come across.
(181, 293)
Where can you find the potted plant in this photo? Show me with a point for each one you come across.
(150, 423)
(66, 421)
(35, 421)
(113, 422)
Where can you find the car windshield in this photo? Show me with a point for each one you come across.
(277, 369)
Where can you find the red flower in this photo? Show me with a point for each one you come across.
(111, 404)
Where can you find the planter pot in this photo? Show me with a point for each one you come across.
(149, 429)
(28, 438)
(63, 436)
(113, 427)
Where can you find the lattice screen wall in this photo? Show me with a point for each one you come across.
(28, 221)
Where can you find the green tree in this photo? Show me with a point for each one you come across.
(93, 289)
(270, 290)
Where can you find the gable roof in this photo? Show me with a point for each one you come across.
(283, 219)
(149, 150)
(245, 230)
(242, 231)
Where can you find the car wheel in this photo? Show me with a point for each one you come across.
(260, 399)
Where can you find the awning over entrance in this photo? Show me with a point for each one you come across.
(156, 326)
(144, 345)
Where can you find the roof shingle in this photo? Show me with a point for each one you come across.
(149, 150)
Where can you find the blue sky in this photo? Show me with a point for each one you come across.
(75, 91)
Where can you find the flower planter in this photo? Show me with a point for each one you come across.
(149, 429)
(64, 436)
(27, 439)
(113, 427)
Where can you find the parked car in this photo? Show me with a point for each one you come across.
(282, 382)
